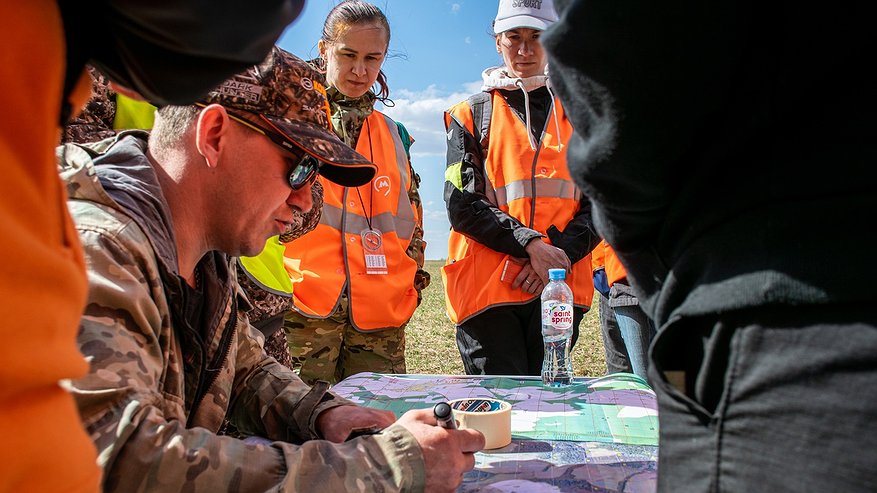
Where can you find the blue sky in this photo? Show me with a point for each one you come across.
(438, 49)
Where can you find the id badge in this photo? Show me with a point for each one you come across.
(373, 248)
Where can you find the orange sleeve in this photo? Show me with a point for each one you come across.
(614, 269)
(42, 278)
(598, 255)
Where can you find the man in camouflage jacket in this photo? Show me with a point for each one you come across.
(171, 351)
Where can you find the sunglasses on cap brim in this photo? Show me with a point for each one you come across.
(302, 172)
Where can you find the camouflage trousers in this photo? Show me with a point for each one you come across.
(331, 349)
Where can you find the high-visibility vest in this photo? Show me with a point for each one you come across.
(609, 261)
(535, 188)
(131, 113)
(267, 268)
(324, 260)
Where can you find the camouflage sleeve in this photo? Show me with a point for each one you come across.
(417, 246)
(272, 394)
(270, 400)
(140, 427)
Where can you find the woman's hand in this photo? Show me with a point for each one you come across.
(528, 280)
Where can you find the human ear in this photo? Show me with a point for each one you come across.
(212, 128)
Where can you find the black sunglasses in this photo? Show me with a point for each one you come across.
(304, 171)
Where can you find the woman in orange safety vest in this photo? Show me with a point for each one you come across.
(357, 277)
(513, 207)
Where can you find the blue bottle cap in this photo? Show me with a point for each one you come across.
(556, 274)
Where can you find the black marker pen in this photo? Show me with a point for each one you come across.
(444, 416)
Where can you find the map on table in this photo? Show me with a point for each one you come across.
(597, 435)
(619, 408)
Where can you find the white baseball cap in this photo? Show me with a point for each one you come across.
(535, 14)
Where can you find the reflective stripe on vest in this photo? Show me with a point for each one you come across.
(323, 261)
(534, 187)
(545, 187)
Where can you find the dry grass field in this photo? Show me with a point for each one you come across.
(430, 337)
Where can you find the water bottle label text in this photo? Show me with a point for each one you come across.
(557, 315)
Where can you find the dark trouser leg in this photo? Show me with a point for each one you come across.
(494, 343)
(774, 400)
(535, 346)
(506, 340)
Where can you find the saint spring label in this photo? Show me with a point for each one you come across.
(557, 315)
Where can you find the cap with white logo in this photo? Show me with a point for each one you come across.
(535, 14)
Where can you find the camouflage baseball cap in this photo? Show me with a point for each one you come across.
(284, 94)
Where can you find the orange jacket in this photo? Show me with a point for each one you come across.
(604, 256)
(321, 262)
(598, 256)
(526, 186)
(42, 283)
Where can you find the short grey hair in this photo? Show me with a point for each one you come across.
(171, 123)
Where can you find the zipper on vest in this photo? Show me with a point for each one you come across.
(533, 169)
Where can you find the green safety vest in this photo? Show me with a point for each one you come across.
(131, 113)
(267, 270)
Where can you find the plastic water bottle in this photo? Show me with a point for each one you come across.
(557, 319)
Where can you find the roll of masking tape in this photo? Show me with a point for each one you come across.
(492, 417)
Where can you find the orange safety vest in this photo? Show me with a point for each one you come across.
(610, 262)
(534, 188)
(321, 262)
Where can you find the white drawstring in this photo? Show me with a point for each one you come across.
(556, 119)
(520, 84)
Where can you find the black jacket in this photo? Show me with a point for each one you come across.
(726, 146)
